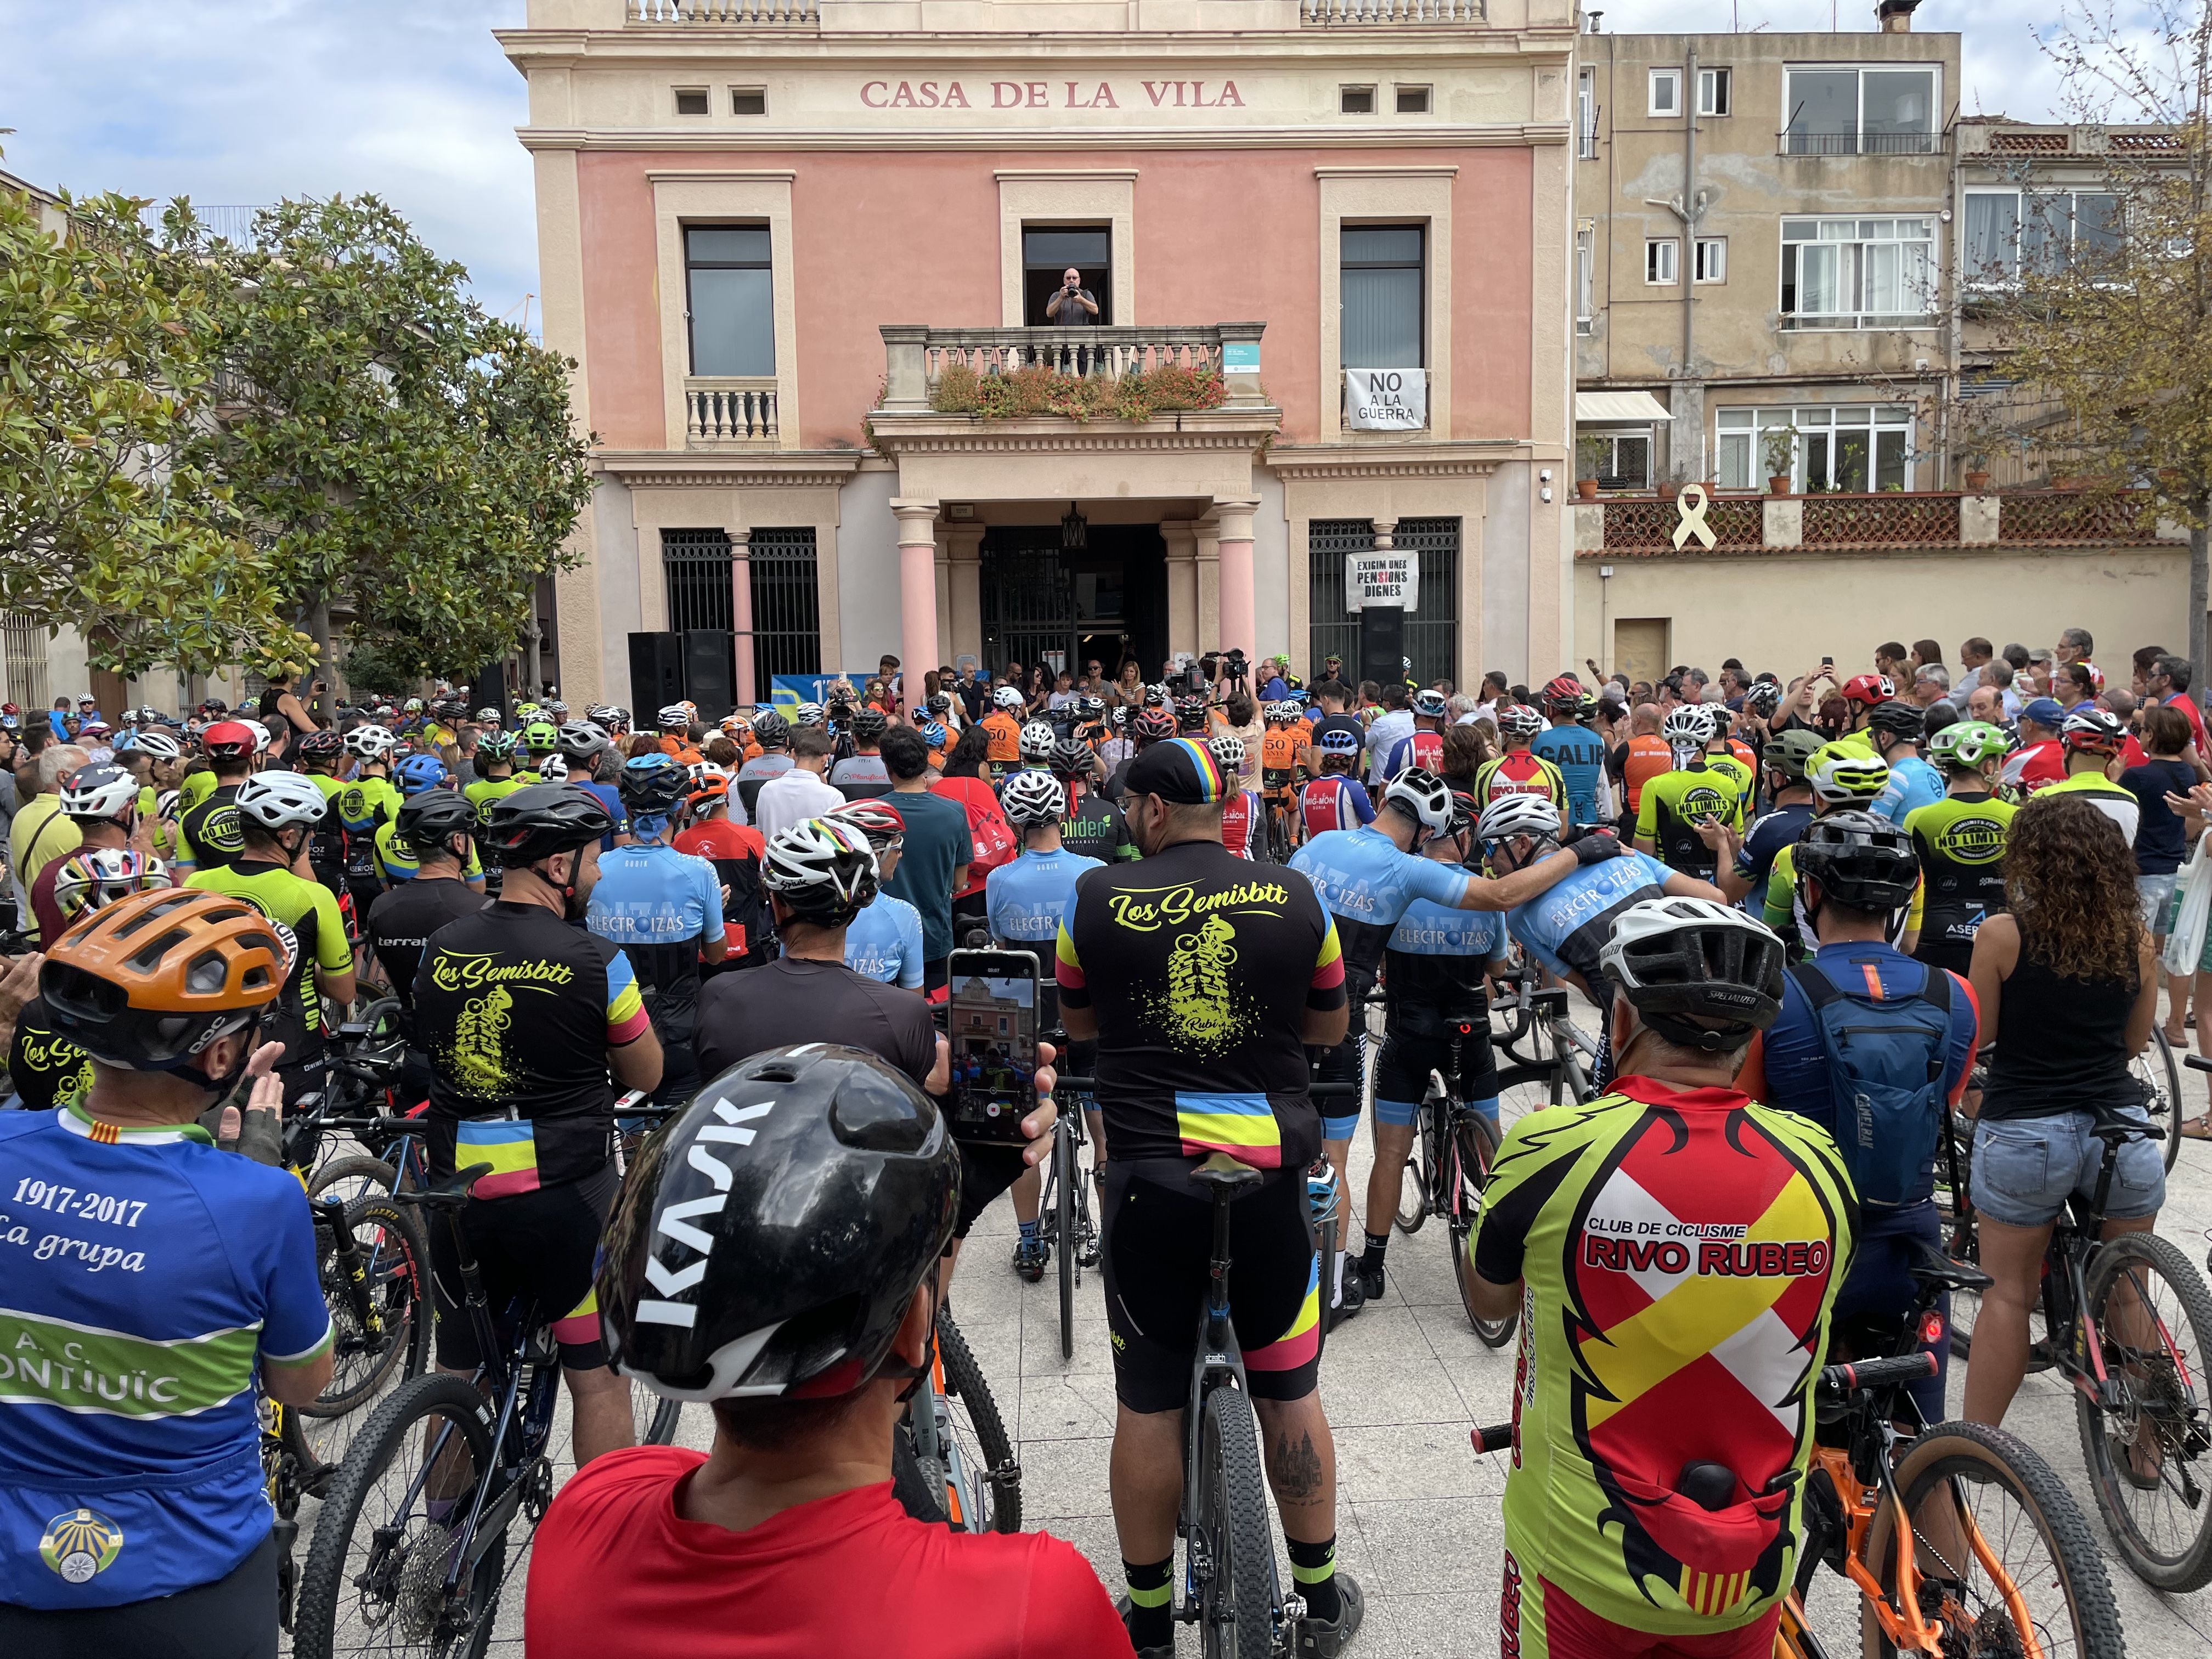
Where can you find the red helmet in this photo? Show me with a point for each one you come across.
(229, 740)
(1868, 689)
(1563, 691)
(1152, 726)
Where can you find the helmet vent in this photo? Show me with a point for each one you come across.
(148, 956)
(207, 975)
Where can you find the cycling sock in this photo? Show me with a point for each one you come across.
(1372, 1260)
(1314, 1567)
(1151, 1603)
(1336, 1298)
(1029, 1231)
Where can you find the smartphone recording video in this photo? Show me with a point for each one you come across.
(992, 1021)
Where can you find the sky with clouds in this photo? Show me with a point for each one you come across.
(246, 101)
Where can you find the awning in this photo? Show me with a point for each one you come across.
(1611, 408)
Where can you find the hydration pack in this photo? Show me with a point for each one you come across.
(1886, 1061)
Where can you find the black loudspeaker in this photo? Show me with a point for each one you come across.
(489, 690)
(656, 675)
(1381, 644)
(709, 670)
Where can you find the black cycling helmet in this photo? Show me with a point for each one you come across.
(779, 1260)
(1899, 719)
(652, 785)
(541, 819)
(1859, 859)
(771, 730)
(869, 723)
(428, 821)
(1071, 758)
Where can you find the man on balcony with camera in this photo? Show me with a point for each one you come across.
(1072, 306)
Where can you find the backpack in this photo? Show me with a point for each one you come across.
(1885, 1064)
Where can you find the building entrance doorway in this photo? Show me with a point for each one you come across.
(1045, 606)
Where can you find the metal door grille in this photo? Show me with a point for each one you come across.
(786, 631)
(23, 638)
(1028, 600)
(1431, 632)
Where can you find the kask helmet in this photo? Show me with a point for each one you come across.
(1509, 815)
(1422, 796)
(1690, 726)
(277, 801)
(1845, 775)
(1699, 973)
(675, 717)
(539, 820)
(1033, 798)
(780, 1264)
(823, 869)
(1859, 859)
(313, 746)
(1037, 741)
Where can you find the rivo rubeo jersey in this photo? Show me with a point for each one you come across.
(1960, 842)
(1519, 772)
(1682, 1251)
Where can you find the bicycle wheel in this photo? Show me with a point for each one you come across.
(651, 1419)
(1065, 1177)
(990, 1479)
(1235, 1577)
(2160, 1073)
(1474, 1143)
(1421, 1160)
(396, 1259)
(375, 1573)
(2153, 1316)
(1961, 1480)
(351, 1177)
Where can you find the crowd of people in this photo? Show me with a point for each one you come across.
(1799, 908)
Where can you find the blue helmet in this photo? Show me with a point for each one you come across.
(419, 772)
(651, 785)
(933, 734)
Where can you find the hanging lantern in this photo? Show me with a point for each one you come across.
(1074, 533)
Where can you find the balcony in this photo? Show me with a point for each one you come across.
(1634, 527)
(916, 360)
(1854, 142)
(729, 411)
(755, 12)
(1416, 14)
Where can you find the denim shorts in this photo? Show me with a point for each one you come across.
(2154, 898)
(2025, 1168)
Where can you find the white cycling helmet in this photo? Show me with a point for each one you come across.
(90, 878)
(1517, 815)
(369, 742)
(552, 769)
(260, 735)
(824, 869)
(489, 717)
(1037, 741)
(1424, 797)
(1338, 741)
(159, 745)
(1690, 726)
(582, 739)
(1517, 719)
(99, 790)
(674, 718)
(1430, 704)
(1008, 696)
(1702, 975)
(807, 714)
(281, 800)
(1228, 750)
(1033, 798)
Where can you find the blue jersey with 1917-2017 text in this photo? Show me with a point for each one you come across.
(1566, 926)
(1367, 882)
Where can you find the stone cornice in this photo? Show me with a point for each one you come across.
(934, 434)
(1475, 457)
(1517, 135)
(768, 468)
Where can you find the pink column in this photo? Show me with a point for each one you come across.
(1240, 625)
(741, 613)
(917, 534)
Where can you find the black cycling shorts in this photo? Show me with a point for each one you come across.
(1401, 1070)
(233, 1618)
(536, 1248)
(1156, 1239)
(987, 1168)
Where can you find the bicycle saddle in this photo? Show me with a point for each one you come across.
(1222, 1174)
(449, 1193)
(1931, 1266)
(2118, 1131)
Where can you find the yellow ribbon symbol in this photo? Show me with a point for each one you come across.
(1690, 504)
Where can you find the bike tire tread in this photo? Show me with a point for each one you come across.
(1235, 1437)
(965, 1378)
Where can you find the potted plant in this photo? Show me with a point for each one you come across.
(1671, 486)
(1779, 445)
(1591, 452)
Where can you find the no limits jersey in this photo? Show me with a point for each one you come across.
(1367, 883)
(1960, 842)
(1675, 803)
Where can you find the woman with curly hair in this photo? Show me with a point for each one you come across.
(2067, 980)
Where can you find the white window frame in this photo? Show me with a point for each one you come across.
(1586, 277)
(1398, 98)
(1344, 94)
(1586, 114)
(1977, 277)
(1672, 80)
(1858, 135)
(1710, 262)
(1852, 260)
(1741, 434)
(1663, 255)
(1716, 92)
(1612, 437)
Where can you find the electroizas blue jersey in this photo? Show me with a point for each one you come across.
(1568, 923)
(1367, 882)
(1913, 784)
(1579, 754)
(1027, 900)
(658, 904)
(884, 943)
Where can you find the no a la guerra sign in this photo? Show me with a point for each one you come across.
(1382, 578)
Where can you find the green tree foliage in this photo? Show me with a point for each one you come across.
(108, 347)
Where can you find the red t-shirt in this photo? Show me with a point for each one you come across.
(2041, 764)
(2186, 702)
(617, 1571)
(720, 841)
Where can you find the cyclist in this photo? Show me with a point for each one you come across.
(207, 834)
(735, 850)
(772, 733)
(1658, 1462)
(865, 765)
(1576, 751)
(1094, 826)
(536, 746)
(2092, 739)
(438, 827)
(1875, 1048)
(495, 772)
(1961, 843)
(1863, 694)
(523, 1016)
(1707, 784)
(1424, 746)
(1282, 750)
(139, 1524)
(1898, 729)
(276, 812)
(582, 747)
(884, 941)
(1202, 1027)
(1243, 818)
(1640, 756)
(100, 802)
(1842, 780)
(46, 1067)
(674, 724)
(806, 1327)
(1335, 799)
(1026, 901)
(416, 775)
(1744, 867)
(1003, 726)
(665, 909)
(1520, 770)
(364, 806)
(1436, 1018)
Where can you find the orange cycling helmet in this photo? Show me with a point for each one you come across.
(147, 983)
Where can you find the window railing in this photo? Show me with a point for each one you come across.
(1744, 523)
(747, 12)
(1854, 142)
(724, 410)
(1416, 12)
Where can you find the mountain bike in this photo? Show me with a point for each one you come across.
(1449, 1163)
(1065, 1222)
(951, 1461)
(2125, 1320)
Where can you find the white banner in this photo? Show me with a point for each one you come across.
(1386, 399)
(1382, 578)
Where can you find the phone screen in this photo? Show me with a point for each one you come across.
(992, 1022)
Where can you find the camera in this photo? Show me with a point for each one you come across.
(1234, 666)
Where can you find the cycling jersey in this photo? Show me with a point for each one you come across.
(1960, 842)
(1422, 749)
(1913, 784)
(1519, 772)
(149, 1276)
(2034, 767)
(517, 1010)
(1367, 883)
(401, 921)
(1566, 926)
(1095, 827)
(195, 788)
(296, 1018)
(1027, 900)
(1682, 1251)
(365, 805)
(50, 915)
(1764, 841)
(736, 852)
(396, 859)
(860, 768)
(1579, 756)
(207, 836)
(484, 791)
(884, 942)
(1244, 825)
(610, 798)
(2115, 803)
(1436, 1007)
(769, 763)
(327, 841)
(1279, 751)
(1201, 968)
(1640, 760)
(44, 1067)
(1711, 786)
(660, 905)
(1742, 754)
(1006, 734)
(1333, 803)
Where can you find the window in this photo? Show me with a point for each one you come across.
(1851, 111)
(1712, 259)
(1713, 92)
(1623, 459)
(1662, 260)
(1048, 252)
(1432, 637)
(1356, 100)
(1380, 296)
(748, 100)
(2042, 227)
(691, 101)
(1666, 91)
(1854, 448)
(1856, 273)
(1412, 100)
(731, 298)
(785, 603)
(1586, 114)
(1585, 278)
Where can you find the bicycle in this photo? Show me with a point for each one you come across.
(2136, 1359)
(952, 1461)
(1449, 1163)
(1569, 1059)
(1066, 1225)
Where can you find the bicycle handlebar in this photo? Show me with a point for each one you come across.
(1863, 1376)
(2196, 1062)
(1496, 1438)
